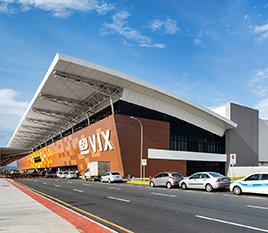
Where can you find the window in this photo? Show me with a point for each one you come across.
(183, 135)
(204, 176)
(253, 177)
(159, 175)
(264, 177)
(37, 159)
(196, 176)
(215, 174)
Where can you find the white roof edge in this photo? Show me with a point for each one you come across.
(134, 80)
(146, 84)
(54, 62)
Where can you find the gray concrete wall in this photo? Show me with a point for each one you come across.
(263, 141)
(243, 140)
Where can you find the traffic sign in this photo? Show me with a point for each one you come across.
(233, 159)
(144, 162)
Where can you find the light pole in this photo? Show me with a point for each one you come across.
(134, 118)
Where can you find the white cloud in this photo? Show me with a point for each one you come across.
(8, 104)
(262, 106)
(120, 26)
(259, 82)
(59, 8)
(168, 26)
(11, 112)
(261, 32)
(247, 17)
(198, 39)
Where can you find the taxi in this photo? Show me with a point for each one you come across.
(254, 183)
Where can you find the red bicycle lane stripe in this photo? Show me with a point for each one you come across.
(81, 223)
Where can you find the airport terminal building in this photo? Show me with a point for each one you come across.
(83, 112)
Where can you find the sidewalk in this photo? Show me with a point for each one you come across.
(25, 211)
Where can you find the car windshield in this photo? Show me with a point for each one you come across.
(115, 173)
(176, 175)
(214, 174)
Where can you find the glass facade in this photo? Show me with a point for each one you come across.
(183, 136)
(198, 166)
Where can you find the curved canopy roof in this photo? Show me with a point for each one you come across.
(9, 155)
(73, 88)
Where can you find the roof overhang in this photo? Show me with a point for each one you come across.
(9, 155)
(73, 88)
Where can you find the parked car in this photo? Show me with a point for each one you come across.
(34, 173)
(58, 174)
(167, 179)
(205, 180)
(49, 174)
(253, 183)
(111, 177)
(63, 174)
(70, 175)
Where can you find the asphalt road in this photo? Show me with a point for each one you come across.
(140, 208)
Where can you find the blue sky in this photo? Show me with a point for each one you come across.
(211, 52)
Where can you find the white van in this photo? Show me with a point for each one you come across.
(254, 183)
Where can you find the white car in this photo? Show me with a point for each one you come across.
(254, 183)
(63, 174)
(70, 175)
(205, 180)
(111, 177)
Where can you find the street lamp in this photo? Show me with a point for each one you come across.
(134, 118)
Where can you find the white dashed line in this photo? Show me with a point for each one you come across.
(44, 183)
(57, 185)
(118, 199)
(257, 207)
(259, 198)
(232, 223)
(114, 188)
(162, 194)
(85, 184)
(78, 190)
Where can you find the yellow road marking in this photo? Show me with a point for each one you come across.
(73, 207)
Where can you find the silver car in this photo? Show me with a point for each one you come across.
(111, 177)
(205, 180)
(167, 179)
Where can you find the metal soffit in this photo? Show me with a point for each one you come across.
(8, 155)
(53, 112)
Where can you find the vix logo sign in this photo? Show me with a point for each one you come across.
(94, 141)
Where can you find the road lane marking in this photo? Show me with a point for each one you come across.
(257, 207)
(78, 190)
(85, 184)
(118, 199)
(259, 198)
(44, 183)
(77, 209)
(232, 223)
(70, 182)
(57, 185)
(114, 188)
(162, 194)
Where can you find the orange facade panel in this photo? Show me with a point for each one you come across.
(116, 139)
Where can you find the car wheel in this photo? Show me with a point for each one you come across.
(183, 186)
(209, 188)
(168, 185)
(152, 184)
(237, 190)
